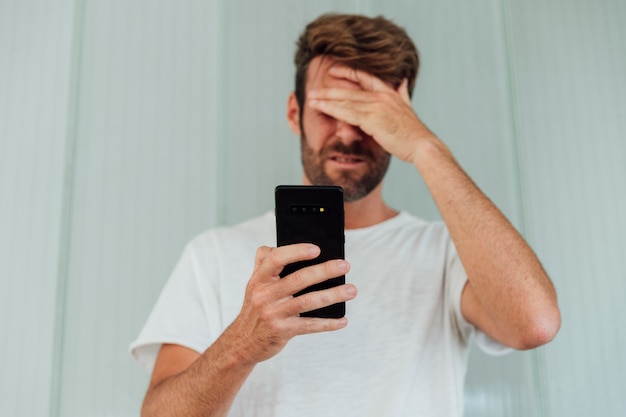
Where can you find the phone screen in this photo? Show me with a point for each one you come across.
(312, 214)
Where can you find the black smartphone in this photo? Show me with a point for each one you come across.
(312, 214)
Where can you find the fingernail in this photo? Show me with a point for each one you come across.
(350, 290)
(342, 265)
(312, 93)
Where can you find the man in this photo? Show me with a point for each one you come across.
(222, 338)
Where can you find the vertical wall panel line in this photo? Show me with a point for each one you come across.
(518, 177)
(66, 210)
(222, 103)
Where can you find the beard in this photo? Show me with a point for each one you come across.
(355, 186)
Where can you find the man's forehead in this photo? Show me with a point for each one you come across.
(318, 77)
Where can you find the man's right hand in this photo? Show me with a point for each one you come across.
(270, 315)
(185, 382)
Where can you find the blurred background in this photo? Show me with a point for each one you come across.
(129, 126)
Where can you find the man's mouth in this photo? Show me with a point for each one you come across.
(346, 159)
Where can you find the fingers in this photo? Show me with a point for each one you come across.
(350, 106)
(340, 94)
(366, 80)
(261, 254)
(268, 289)
(312, 275)
(270, 262)
(270, 314)
(363, 107)
(357, 96)
(318, 299)
(315, 325)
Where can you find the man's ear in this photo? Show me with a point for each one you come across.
(293, 114)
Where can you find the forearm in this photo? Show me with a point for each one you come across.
(504, 273)
(206, 388)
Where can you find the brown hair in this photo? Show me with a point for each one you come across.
(375, 45)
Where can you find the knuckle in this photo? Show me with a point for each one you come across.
(282, 331)
(275, 256)
(329, 269)
(306, 302)
(317, 326)
(261, 253)
(330, 297)
(329, 325)
(259, 300)
(298, 279)
(332, 270)
(256, 302)
(310, 326)
(269, 317)
(261, 256)
(266, 317)
(340, 293)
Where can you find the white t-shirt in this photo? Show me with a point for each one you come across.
(403, 353)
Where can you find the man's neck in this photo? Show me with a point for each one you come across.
(368, 211)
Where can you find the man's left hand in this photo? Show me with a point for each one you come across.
(377, 109)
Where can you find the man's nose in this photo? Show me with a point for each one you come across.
(348, 133)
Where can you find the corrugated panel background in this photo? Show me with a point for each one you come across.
(127, 127)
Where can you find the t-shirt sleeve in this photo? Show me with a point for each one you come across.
(178, 316)
(457, 278)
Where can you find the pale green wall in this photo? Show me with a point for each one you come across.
(127, 127)
(35, 67)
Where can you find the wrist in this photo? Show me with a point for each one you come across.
(429, 149)
(236, 350)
